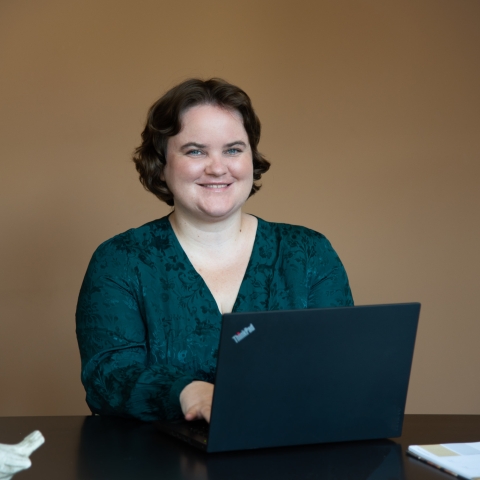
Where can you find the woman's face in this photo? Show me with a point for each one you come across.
(209, 166)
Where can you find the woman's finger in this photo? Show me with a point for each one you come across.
(193, 413)
(206, 411)
(199, 412)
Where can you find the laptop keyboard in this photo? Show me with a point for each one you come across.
(199, 427)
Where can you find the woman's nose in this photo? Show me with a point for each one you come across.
(216, 165)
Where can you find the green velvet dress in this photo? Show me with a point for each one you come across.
(147, 324)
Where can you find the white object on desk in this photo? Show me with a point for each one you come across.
(459, 459)
(14, 458)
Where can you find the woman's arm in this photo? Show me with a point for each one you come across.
(329, 283)
(116, 372)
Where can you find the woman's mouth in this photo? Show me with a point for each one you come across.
(214, 186)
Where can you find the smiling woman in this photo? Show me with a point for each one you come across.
(165, 120)
(149, 311)
(209, 166)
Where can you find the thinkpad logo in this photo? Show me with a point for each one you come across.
(244, 333)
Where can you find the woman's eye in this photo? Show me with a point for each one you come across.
(194, 153)
(233, 151)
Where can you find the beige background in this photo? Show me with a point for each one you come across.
(371, 115)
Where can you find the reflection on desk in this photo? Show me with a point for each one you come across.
(103, 441)
(108, 448)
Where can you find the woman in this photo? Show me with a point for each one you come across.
(149, 311)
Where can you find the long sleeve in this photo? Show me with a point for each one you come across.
(329, 282)
(117, 373)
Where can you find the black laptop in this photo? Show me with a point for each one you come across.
(296, 377)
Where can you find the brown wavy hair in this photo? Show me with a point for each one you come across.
(164, 121)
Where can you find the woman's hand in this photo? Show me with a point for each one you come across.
(196, 400)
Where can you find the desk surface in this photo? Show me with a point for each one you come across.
(103, 448)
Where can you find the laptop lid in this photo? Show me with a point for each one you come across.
(312, 376)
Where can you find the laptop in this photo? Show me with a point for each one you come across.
(297, 377)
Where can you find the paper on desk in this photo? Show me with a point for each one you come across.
(460, 458)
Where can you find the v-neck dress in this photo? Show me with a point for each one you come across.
(147, 324)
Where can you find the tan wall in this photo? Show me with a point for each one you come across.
(371, 114)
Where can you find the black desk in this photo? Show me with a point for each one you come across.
(103, 448)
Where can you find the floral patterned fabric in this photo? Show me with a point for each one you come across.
(147, 324)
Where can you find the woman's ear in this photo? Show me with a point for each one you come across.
(162, 171)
